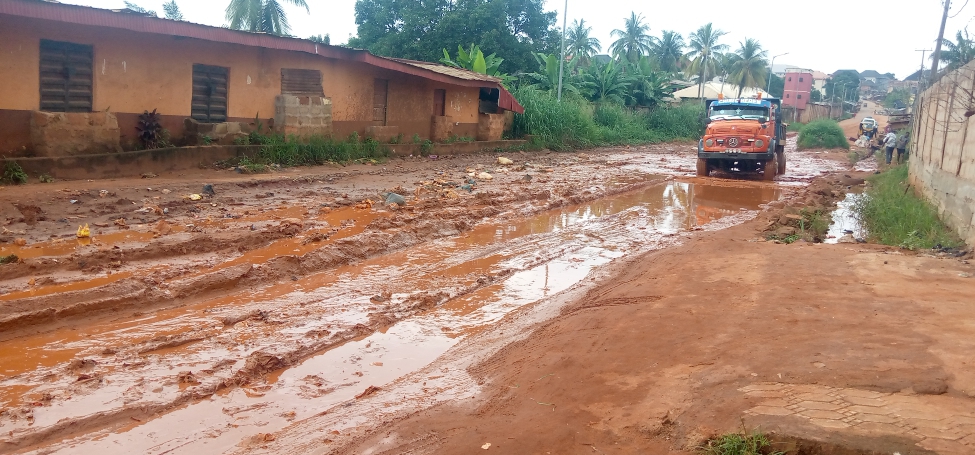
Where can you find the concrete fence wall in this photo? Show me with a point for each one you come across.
(942, 164)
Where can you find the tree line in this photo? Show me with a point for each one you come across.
(525, 43)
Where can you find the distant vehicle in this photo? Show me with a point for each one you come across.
(745, 135)
(868, 127)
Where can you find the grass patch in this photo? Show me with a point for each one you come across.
(893, 215)
(740, 444)
(576, 123)
(316, 150)
(9, 259)
(823, 133)
(13, 173)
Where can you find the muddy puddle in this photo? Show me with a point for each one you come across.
(432, 296)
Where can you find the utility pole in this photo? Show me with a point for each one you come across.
(565, 21)
(920, 76)
(937, 44)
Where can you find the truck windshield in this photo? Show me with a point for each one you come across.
(739, 112)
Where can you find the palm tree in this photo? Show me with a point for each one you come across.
(959, 53)
(266, 16)
(633, 40)
(704, 45)
(580, 44)
(669, 50)
(750, 65)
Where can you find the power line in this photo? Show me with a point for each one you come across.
(959, 11)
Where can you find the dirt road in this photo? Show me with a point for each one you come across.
(609, 300)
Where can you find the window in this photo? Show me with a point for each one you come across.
(799, 96)
(439, 102)
(790, 78)
(787, 95)
(301, 82)
(379, 99)
(209, 103)
(66, 77)
(800, 79)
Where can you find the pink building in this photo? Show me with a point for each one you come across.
(798, 86)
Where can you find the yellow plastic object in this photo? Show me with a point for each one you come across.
(84, 232)
(195, 197)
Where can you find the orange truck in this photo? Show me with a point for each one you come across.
(743, 135)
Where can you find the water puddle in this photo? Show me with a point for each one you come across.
(845, 221)
(485, 274)
(64, 247)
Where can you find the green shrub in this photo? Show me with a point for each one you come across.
(823, 133)
(13, 173)
(893, 215)
(739, 444)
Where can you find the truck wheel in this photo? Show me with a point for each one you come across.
(769, 172)
(780, 159)
(703, 170)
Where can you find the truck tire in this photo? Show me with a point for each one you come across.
(703, 170)
(769, 173)
(780, 160)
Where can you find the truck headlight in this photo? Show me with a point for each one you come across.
(709, 143)
(759, 143)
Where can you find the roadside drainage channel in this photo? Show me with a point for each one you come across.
(543, 256)
(846, 226)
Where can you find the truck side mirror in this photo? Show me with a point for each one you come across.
(707, 121)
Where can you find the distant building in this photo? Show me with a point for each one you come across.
(879, 82)
(819, 81)
(712, 89)
(798, 88)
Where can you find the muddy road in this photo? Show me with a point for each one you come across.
(300, 302)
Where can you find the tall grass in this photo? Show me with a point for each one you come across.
(315, 150)
(575, 123)
(893, 215)
(823, 133)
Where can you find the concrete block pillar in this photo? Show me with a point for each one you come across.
(303, 116)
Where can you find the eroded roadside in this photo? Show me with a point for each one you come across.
(348, 298)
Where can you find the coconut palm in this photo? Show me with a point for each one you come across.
(633, 40)
(704, 47)
(266, 16)
(669, 50)
(749, 66)
(580, 44)
(959, 53)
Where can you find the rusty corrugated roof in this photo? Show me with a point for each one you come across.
(451, 71)
(85, 15)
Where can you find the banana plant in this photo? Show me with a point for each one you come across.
(475, 60)
(547, 77)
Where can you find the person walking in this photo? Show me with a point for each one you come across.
(890, 142)
(902, 142)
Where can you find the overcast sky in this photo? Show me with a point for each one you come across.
(823, 35)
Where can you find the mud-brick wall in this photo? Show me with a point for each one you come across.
(76, 133)
(942, 163)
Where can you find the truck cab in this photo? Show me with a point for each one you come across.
(743, 135)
